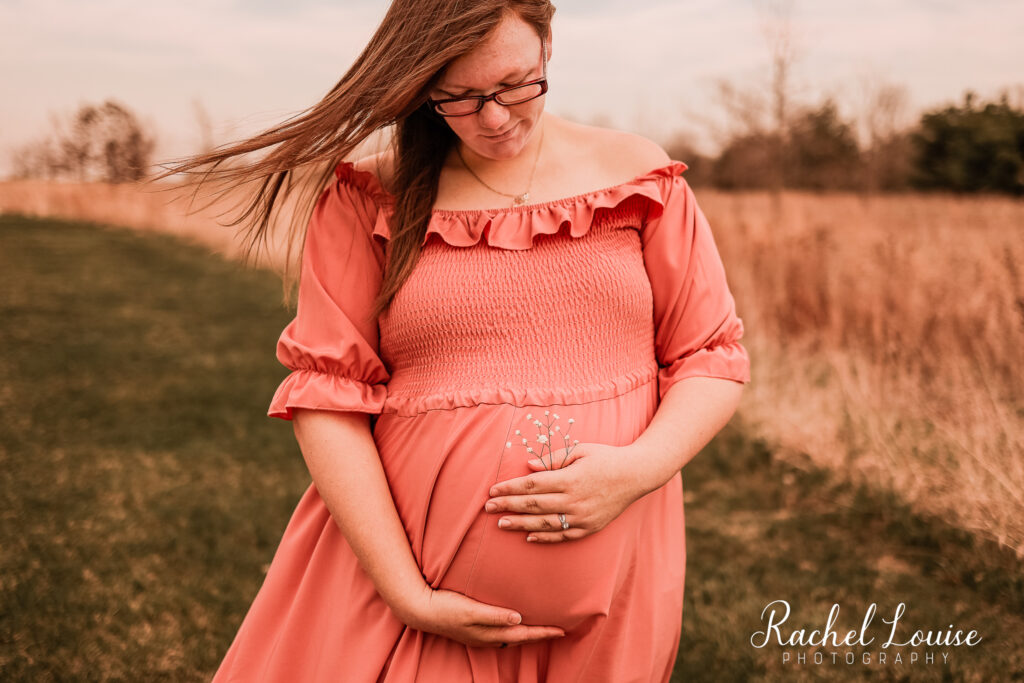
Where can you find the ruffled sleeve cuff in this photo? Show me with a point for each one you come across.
(317, 390)
(725, 361)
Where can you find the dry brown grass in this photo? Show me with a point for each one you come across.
(163, 208)
(885, 332)
(886, 336)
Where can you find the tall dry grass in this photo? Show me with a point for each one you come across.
(886, 336)
(885, 332)
(162, 207)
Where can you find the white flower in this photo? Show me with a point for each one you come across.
(508, 444)
(556, 416)
(542, 439)
(576, 441)
(529, 450)
(529, 415)
(524, 439)
(571, 420)
(517, 431)
(547, 412)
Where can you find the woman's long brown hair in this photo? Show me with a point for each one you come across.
(386, 86)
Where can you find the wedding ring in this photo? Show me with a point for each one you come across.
(561, 518)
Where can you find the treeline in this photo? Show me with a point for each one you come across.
(972, 147)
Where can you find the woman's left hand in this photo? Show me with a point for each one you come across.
(594, 485)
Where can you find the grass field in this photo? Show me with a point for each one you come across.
(143, 491)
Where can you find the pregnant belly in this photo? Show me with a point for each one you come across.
(440, 467)
(556, 584)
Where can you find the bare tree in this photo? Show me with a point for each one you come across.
(884, 108)
(104, 142)
(777, 27)
(745, 110)
(203, 122)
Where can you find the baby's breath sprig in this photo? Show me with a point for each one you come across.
(546, 433)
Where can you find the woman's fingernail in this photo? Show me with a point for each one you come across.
(531, 539)
(514, 619)
(504, 523)
(491, 507)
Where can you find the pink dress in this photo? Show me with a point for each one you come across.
(589, 308)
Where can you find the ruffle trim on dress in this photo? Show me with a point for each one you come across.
(515, 227)
(724, 361)
(319, 390)
(408, 406)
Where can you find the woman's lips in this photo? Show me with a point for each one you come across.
(497, 138)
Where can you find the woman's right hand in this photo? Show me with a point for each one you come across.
(477, 624)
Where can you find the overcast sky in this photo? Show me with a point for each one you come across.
(645, 66)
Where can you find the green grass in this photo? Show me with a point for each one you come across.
(143, 490)
(142, 486)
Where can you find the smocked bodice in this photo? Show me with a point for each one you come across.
(566, 320)
(569, 301)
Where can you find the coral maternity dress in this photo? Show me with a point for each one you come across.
(586, 308)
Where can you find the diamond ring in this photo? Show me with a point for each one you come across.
(561, 518)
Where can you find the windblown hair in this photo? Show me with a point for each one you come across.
(387, 86)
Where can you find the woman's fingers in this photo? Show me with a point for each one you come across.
(548, 522)
(460, 617)
(529, 634)
(486, 615)
(518, 635)
(502, 625)
(570, 534)
(534, 503)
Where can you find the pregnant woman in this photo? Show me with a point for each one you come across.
(512, 332)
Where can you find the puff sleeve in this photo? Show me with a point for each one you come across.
(696, 329)
(331, 346)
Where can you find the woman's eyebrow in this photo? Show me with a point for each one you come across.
(509, 79)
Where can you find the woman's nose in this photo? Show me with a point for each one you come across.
(493, 116)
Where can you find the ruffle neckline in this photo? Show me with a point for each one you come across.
(515, 227)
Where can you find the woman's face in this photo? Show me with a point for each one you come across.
(510, 55)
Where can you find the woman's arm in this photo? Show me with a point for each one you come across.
(351, 481)
(691, 413)
(342, 458)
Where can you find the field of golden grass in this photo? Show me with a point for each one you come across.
(886, 332)
(886, 336)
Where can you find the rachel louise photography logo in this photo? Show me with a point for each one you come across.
(887, 652)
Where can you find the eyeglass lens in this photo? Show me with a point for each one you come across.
(511, 96)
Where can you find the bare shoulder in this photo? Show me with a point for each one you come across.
(622, 155)
(380, 164)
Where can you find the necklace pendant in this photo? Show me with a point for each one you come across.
(522, 198)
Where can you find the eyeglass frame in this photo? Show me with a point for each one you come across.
(483, 99)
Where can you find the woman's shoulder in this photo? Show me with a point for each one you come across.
(621, 155)
(380, 165)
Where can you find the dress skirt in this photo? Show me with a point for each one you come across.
(618, 593)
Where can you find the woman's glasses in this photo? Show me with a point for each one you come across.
(516, 94)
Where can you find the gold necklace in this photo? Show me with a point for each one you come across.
(518, 199)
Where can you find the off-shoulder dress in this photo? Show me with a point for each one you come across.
(577, 313)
